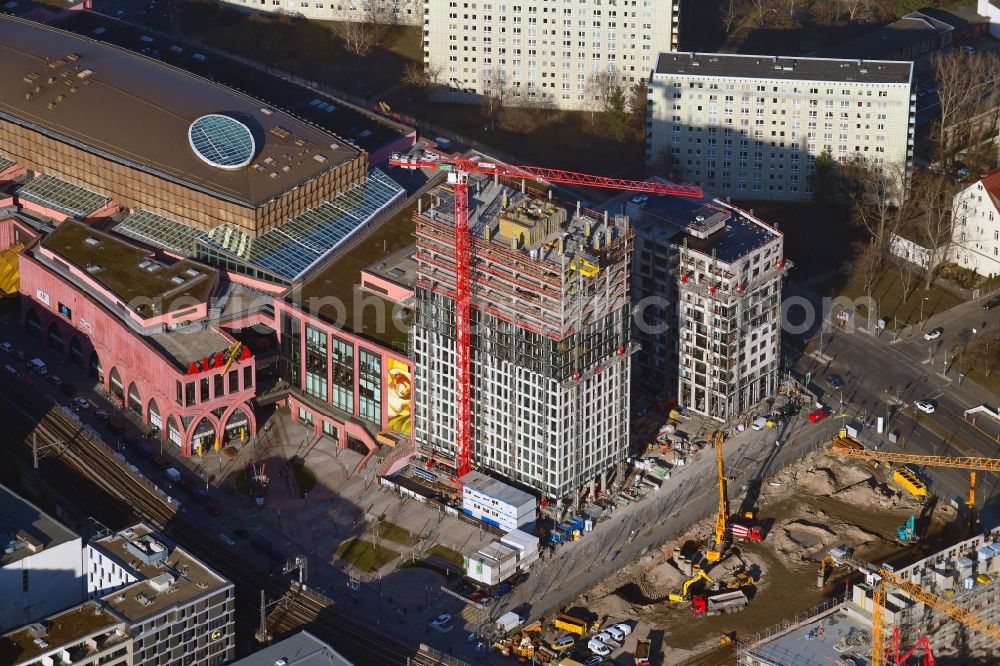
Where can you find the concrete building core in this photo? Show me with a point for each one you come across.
(551, 338)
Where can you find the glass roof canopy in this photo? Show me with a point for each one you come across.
(291, 249)
(49, 191)
(158, 231)
(221, 141)
(5, 163)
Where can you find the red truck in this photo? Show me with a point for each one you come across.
(717, 604)
(642, 653)
(744, 532)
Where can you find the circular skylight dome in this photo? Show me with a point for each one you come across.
(221, 141)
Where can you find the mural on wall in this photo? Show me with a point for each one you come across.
(399, 391)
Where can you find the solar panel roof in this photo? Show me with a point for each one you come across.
(222, 141)
(51, 192)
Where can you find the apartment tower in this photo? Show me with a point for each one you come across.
(751, 127)
(550, 345)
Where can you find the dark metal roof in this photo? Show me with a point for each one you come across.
(777, 67)
(137, 111)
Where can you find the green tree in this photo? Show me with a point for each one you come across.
(616, 116)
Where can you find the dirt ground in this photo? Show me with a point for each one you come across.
(805, 510)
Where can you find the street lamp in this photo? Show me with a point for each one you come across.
(925, 298)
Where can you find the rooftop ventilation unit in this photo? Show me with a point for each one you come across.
(266, 111)
(153, 267)
(177, 279)
(94, 268)
(192, 273)
(84, 74)
(280, 132)
(319, 157)
(90, 240)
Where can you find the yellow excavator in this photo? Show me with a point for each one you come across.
(714, 553)
(683, 595)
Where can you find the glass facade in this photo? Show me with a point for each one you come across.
(370, 387)
(316, 363)
(291, 349)
(342, 360)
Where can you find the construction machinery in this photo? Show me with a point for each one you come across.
(573, 625)
(642, 653)
(458, 170)
(907, 533)
(892, 651)
(717, 604)
(684, 593)
(714, 554)
(880, 578)
(847, 448)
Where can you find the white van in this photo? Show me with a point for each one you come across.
(759, 423)
(37, 366)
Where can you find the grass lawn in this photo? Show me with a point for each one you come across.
(305, 478)
(394, 532)
(888, 293)
(365, 555)
(446, 554)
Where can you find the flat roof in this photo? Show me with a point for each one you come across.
(496, 489)
(338, 281)
(816, 643)
(186, 576)
(301, 649)
(51, 192)
(911, 29)
(726, 65)
(28, 527)
(129, 271)
(62, 630)
(400, 267)
(138, 110)
(738, 238)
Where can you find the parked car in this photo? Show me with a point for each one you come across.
(818, 415)
(836, 382)
(597, 647)
(442, 622)
(926, 406)
(79, 404)
(622, 628)
(20, 355)
(226, 539)
(562, 643)
(992, 303)
(55, 380)
(7, 347)
(968, 49)
(934, 333)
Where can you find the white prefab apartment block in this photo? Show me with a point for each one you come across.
(41, 563)
(545, 50)
(551, 349)
(404, 12)
(751, 127)
(497, 503)
(976, 226)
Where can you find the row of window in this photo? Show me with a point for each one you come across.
(210, 389)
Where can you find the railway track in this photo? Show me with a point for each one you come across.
(117, 496)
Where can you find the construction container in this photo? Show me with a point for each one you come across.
(909, 482)
(571, 624)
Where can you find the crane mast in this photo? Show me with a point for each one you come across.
(715, 554)
(458, 169)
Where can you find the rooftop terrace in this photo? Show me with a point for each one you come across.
(180, 578)
(27, 528)
(129, 271)
(63, 631)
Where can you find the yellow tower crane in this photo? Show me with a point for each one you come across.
(883, 578)
(714, 554)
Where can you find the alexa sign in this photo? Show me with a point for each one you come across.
(219, 360)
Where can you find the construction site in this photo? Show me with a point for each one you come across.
(805, 555)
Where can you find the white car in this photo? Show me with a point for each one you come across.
(598, 648)
(621, 627)
(640, 199)
(926, 406)
(442, 623)
(934, 333)
(7, 347)
(226, 539)
(608, 638)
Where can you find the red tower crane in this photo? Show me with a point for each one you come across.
(893, 650)
(458, 169)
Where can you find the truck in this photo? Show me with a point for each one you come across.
(172, 474)
(642, 653)
(910, 482)
(508, 622)
(743, 531)
(443, 143)
(573, 625)
(716, 604)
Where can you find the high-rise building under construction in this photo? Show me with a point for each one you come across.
(551, 345)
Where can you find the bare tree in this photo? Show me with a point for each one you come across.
(908, 270)
(601, 89)
(496, 90)
(934, 193)
(362, 36)
(878, 201)
(421, 76)
(963, 81)
(984, 352)
(732, 13)
(851, 12)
